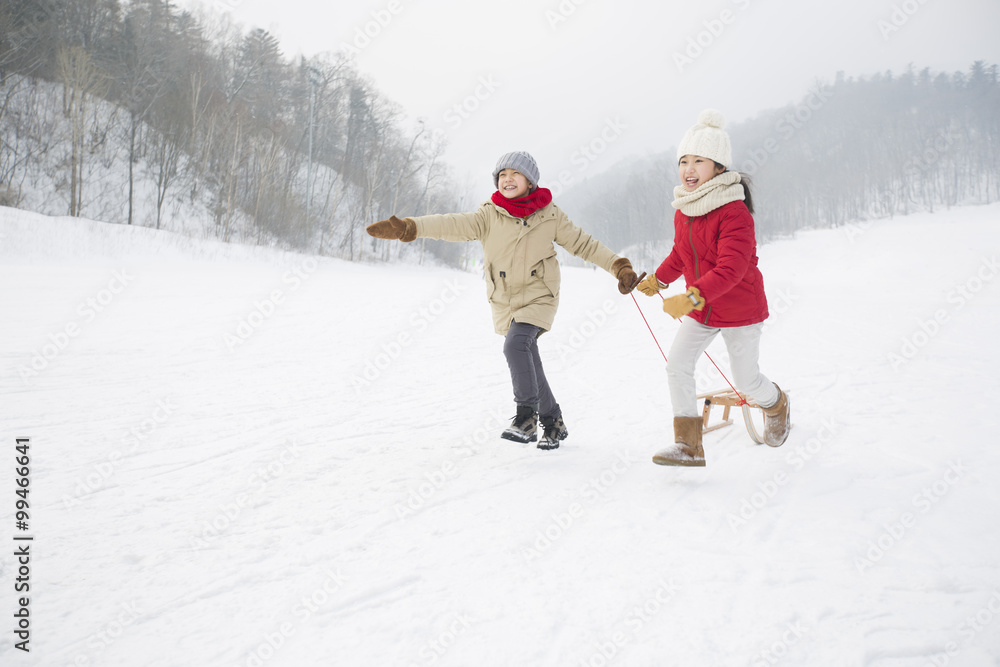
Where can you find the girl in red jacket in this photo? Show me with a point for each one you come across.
(716, 252)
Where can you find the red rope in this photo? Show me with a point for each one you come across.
(647, 325)
(742, 400)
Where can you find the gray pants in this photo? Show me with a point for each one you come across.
(530, 386)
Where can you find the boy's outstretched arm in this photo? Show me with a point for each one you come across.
(447, 227)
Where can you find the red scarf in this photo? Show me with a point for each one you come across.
(525, 206)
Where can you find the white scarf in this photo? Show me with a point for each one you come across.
(710, 195)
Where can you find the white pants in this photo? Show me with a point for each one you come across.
(743, 344)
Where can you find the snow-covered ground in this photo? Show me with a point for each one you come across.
(248, 457)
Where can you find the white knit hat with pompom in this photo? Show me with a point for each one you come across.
(707, 139)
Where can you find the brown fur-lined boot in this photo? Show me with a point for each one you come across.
(776, 422)
(687, 450)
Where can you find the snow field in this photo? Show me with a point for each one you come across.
(251, 457)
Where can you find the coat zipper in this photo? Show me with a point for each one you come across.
(524, 283)
(697, 271)
(694, 250)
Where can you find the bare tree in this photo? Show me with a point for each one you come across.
(27, 36)
(82, 80)
(165, 151)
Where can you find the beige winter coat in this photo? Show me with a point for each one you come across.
(521, 270)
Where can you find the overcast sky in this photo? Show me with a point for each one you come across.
(581, 84)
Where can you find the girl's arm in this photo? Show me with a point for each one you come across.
(672, 267)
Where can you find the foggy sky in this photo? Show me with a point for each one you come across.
(582, 84)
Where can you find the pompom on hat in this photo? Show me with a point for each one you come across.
(519, 161)
(707, 139)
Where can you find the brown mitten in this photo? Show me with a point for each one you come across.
(404, 230)
(622, 268)
(650, 286)
(682, 304)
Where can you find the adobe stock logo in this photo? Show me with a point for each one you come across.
(924, 501)
(712, 31)
(61, 339)
(364, 35)
(900, 16)
(461, 111)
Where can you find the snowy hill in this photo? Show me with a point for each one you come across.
(248, 457)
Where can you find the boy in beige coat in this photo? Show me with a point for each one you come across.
(518, 228)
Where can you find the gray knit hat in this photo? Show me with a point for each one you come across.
(522, 162)
(707, 139)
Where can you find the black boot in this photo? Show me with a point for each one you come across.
(554, 431)
(524, 428)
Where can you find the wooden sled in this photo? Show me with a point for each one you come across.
(729, 399)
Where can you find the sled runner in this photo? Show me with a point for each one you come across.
(728, 399)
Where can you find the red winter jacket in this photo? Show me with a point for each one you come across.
(717, 253)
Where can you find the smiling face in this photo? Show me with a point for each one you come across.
(513, 184)
(695, 170)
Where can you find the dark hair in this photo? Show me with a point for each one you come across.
(746, 183)
(747, 197)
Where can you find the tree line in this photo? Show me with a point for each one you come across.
(119, 110)
(849, 150)
(128, 110)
